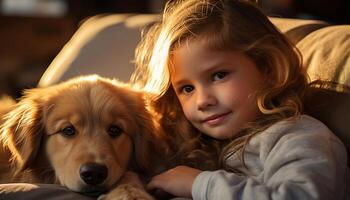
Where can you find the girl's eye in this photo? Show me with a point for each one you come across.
(187, 89)
(219, 75)
(68, 131)
(114, 131)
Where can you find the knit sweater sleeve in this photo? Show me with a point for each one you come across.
(299, 160)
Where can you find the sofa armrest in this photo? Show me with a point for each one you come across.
(103, 45)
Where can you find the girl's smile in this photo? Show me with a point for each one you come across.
(217, 119)
(216, 89)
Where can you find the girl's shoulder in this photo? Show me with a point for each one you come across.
(303, 124)
(303, 129)
(304, 138)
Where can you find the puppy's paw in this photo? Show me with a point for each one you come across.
(126, 192)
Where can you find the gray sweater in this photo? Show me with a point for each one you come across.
(299, 159)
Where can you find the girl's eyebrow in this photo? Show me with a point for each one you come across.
(215, 66)
(179, 82)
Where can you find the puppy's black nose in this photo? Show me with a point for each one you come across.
(93, 173)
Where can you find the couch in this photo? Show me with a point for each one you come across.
(104, 45)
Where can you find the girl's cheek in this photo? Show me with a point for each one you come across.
(188, 110)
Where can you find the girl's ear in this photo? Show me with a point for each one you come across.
(21, 131)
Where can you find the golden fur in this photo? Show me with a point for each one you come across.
(38, 144)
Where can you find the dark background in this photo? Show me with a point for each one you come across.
(29, 42)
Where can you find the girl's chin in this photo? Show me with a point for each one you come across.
(225, 131)
(217, 134)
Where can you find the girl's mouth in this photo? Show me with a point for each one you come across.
(216, 120)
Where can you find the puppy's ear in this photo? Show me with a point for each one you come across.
(21, 131)
(147, 139)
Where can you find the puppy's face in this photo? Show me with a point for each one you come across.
(89, 142)
(89, 131)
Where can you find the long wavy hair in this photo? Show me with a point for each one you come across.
(225, 25)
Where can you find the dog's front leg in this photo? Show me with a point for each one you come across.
(128, 188)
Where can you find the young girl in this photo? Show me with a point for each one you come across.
(222, 66)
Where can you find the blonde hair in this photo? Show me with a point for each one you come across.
(225, 25)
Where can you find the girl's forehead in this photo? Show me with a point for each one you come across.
(186, 51)
(190, 45)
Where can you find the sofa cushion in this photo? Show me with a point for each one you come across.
(333, 109)
(326, 54)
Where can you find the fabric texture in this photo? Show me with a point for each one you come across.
(26, 191)
(299, 159)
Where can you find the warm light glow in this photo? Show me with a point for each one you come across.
(158, 70)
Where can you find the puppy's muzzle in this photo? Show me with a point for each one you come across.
(93, 173)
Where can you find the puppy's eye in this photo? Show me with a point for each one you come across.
(114, 130)
(68, 131)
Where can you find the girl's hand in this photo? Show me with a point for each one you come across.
(176, 181)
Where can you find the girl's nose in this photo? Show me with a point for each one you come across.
(205, 99)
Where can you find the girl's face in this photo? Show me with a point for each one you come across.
(216, 89)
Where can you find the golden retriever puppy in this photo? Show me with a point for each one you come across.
(85, 134)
